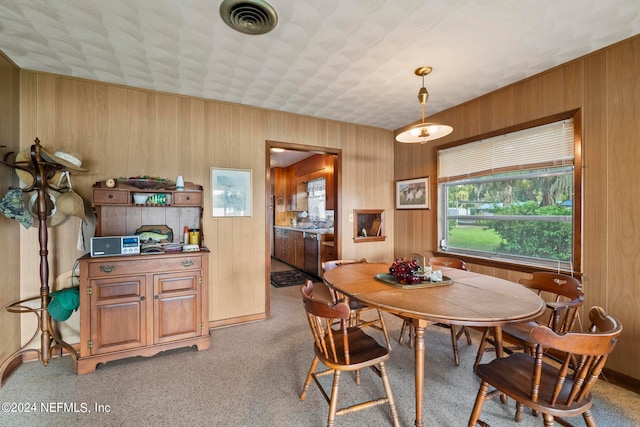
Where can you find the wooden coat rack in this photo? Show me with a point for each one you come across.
(41, 171)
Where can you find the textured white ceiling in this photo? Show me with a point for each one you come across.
(348, 60)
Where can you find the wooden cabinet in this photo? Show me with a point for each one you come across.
(310, 165)
(301, 193)
(297, 245)
(280, 242)
(329, 174)
(289, 246)
(139, 305)
(328, 251)
(314, 167)
(292, 189)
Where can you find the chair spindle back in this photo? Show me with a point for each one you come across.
(590, 350)
(321, 316)
(567, 298)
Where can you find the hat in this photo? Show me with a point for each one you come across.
(71, 161)
(63, 303)
(12, 206)
(71, 203)
(26, 177)
(54, 215)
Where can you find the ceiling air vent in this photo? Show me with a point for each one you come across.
(249, 16)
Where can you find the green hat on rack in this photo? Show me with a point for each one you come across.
(63, 303)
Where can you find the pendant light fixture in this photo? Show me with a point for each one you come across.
(423, 132)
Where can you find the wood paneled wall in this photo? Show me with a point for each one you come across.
(121, 131)
(606, 87)
(9, 229)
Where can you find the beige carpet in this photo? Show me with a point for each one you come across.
(252, 375)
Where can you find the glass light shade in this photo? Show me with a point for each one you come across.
(424, 132)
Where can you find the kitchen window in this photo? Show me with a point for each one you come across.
(514, 197)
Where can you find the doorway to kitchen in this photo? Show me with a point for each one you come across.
(281, 157)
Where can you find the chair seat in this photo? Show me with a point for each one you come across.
(512, 375)
(519, 331)
(354, 304)
(362, 349)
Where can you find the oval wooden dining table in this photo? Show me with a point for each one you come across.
(470, 299)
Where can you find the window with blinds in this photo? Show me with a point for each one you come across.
(542, 146)
(511, 197)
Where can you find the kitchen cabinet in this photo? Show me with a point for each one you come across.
(328, 251)
(297, 176)
(289, 246)
(304, 250)
(317, 247)
(280, 195)
(329, 175)
(140, 305)
(310, 165)
(297, 246)
(280, 244)
(292, 189)
(301, 194)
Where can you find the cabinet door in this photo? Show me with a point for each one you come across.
(292, 188)
(298, 243)
(330, 184)
(301, 194)
(176, 306)
(277, 242)
(118, 314)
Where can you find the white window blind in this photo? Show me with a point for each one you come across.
(546, 145)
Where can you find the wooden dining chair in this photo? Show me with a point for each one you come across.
(555, 389)
(357, 308)
(564, 295)
(341, 348)
(442, 261)
(455, 334)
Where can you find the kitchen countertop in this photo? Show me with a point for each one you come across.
(306, 230)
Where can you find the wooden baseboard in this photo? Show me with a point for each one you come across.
(31, 356)
(236, 321)
(627, 382)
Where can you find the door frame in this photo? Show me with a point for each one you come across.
(337, 227)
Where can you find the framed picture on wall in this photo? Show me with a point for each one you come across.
(412, 193)
(230, 192)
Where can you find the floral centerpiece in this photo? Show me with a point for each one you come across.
(405, 271)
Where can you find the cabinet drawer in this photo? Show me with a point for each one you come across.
(108, 289)
(187, 198)
(110, 197)
(108, 268)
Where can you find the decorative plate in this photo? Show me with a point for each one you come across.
(147, 182)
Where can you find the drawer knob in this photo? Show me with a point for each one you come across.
(187, 263)
(142, 298)
(110, 196)
(107, 268)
